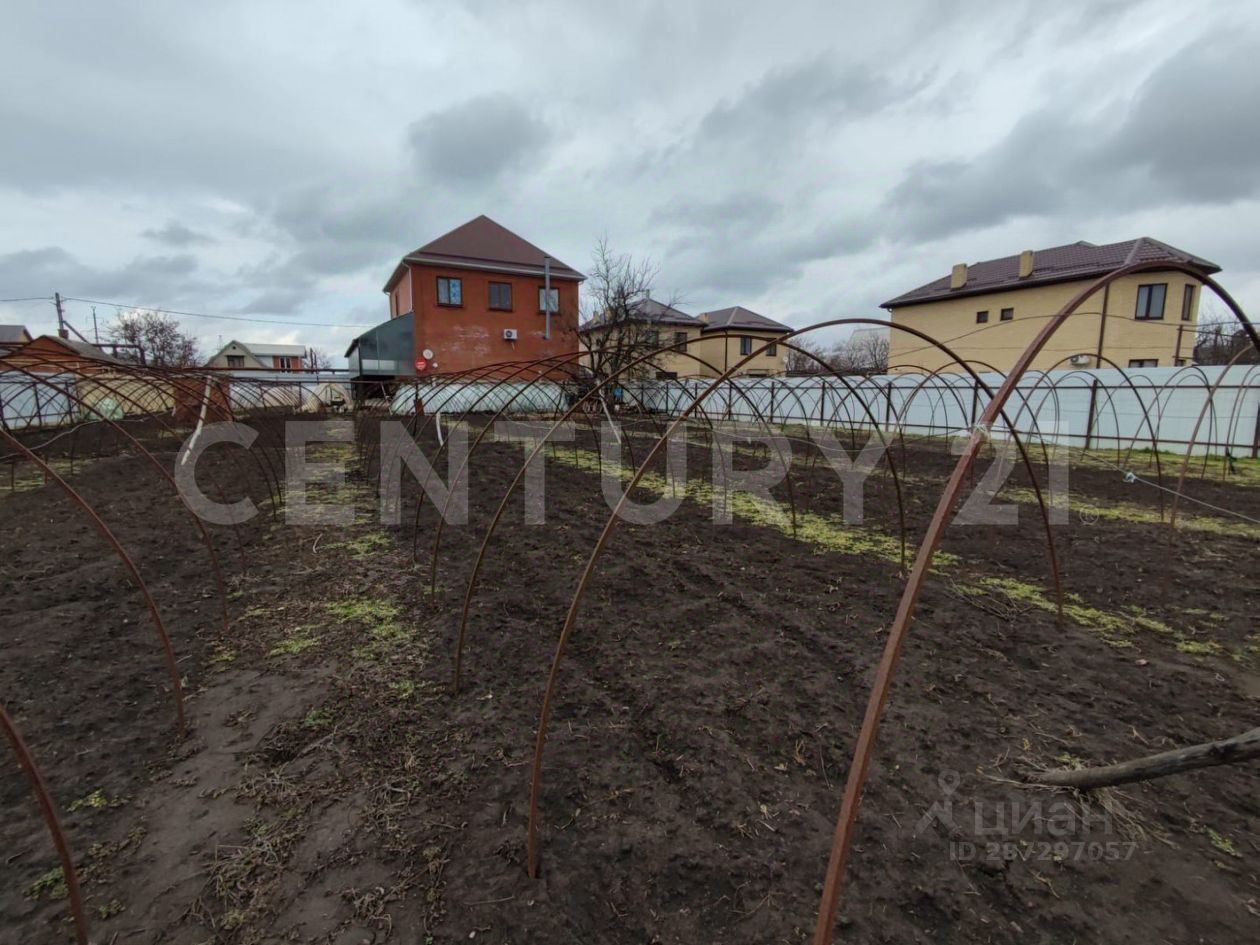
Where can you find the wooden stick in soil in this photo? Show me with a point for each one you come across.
(1244, 747)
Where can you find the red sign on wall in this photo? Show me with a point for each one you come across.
(421, 364)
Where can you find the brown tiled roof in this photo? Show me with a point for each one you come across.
(483, 244)
(1057, 264)
(739, 317)
(657, 313)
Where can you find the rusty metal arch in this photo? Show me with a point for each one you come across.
(1194, 435)
(454, 382)
(438, 381)
(108, 534)
(1152, 428)
(1236, 411)
(516, 373)
(830, 900)
(596, 390)
(162, 472)
(994, 410)
(647, 357)
(486, 427)
(49, 812)
(175, 381)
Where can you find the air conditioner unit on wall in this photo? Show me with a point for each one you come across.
(1081, 359)
(509, 334)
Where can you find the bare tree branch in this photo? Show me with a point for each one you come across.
(164, 344)
(1242, 747)
(619, 325)
(317, 359)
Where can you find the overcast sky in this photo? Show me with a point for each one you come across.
(808, 160)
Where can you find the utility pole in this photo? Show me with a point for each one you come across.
(95, 332)
(61, 317)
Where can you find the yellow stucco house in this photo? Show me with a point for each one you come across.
(988, 312)
(719, 340)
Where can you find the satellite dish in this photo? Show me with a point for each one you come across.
(428, 354)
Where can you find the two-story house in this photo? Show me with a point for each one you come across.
(478, 295)
(259, 356)
(614, 343)
(700, 346)
(988, 312)
(731, 334)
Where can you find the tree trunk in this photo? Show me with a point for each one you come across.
(1242, 747)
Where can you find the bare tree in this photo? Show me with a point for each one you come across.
(799, 360)
(621, 322)
(865, 353)
(158, 335)
(317, 359)
(1219, 339)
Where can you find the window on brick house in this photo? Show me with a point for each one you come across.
(450, 291)
(501, 296)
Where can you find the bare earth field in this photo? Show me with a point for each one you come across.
(332, 789)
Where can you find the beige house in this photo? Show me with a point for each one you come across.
(731, 334)
(259, 356)
(704, 346)
(988, 312)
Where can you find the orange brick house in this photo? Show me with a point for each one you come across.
(469, 298)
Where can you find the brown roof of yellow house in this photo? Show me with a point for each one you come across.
(735, 317)
(651, 311)
(1079, 260)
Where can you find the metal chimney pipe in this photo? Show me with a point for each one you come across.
(547, 296)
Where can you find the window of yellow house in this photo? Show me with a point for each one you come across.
(1143, 362)
(1187, 303)
(981, 317)
(1150, 301)
(680, 339)
(652, 338)
(1006, 314)
(772, 350)
(745, 345)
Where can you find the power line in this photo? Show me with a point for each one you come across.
(30, 298)
(230, 318)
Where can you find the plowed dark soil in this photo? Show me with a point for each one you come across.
(331, 788)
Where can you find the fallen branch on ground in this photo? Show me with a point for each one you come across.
(1244, 747)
